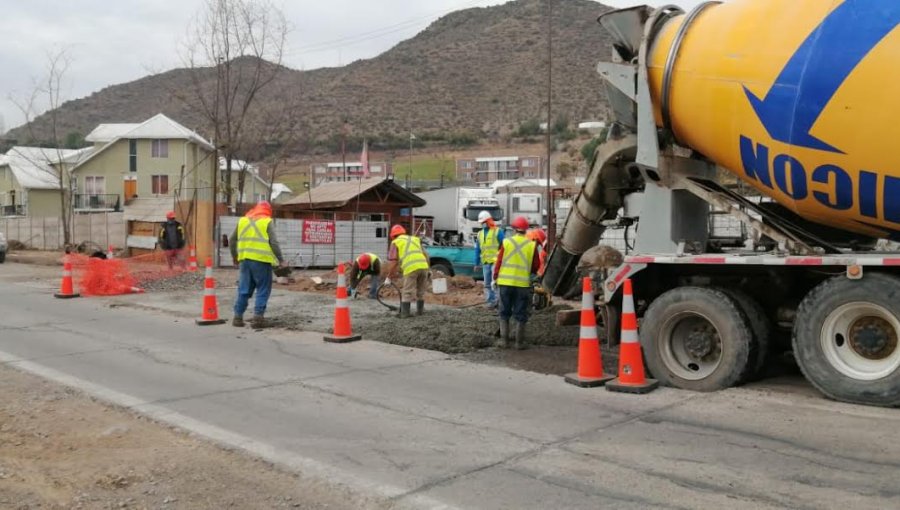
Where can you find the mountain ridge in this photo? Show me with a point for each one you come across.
(480, 70)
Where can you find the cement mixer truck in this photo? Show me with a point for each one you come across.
(782, 116)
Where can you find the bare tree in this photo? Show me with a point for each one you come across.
(243, 41)
(44, 100)
(273, 134)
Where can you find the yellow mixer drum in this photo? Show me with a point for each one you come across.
(798, 98)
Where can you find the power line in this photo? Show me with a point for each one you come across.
(378, 32)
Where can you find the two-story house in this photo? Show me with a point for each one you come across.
(29, 180)
(156, 158)
(255, 188)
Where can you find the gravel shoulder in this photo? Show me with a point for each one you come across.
(61, 449)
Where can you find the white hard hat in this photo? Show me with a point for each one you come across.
(483, 216)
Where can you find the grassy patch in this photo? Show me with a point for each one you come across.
(425, 168)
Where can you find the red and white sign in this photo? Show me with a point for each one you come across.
(318, 232)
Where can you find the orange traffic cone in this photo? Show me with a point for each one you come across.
(590, 362)
(210, 304)
(342, 333)
(631, 361)
(66, 288)
(192, 261)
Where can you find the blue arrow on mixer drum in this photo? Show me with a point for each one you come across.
(819, 67)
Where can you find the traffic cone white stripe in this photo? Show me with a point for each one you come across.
(587, 301)
(341, 303)
(627, 303)
(629, 336)
(588, 333)
(209, 292)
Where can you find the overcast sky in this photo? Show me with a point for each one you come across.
(111, 42)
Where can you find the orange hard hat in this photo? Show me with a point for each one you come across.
(363, 261)
(537, 234)
(519, 223)
(397, 230)
(170, 215)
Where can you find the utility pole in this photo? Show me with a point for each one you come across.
(215, 176)
(412, 137)
(344, 149)
(551, 227)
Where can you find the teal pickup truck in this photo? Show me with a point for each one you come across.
(454, 260)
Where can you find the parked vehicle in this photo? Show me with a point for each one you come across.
(706, 121)
(455, 212)
(454, 261)
(529, 205)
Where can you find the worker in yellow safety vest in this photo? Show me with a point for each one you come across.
(367, 264)
(487, 245)
(516, 268)
(255, 249)
(408, 254)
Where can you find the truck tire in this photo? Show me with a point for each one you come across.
(441, 268)
(760, 326)
(696, 338)
(846, 339)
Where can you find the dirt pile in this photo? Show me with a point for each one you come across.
(458, 331)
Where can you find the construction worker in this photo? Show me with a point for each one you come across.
(538, 236)
(515, 270)
(487, 244)
(407, 253)
(367, 264)
(254, 245)
(171, 240)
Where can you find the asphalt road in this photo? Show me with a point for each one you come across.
(426, 431)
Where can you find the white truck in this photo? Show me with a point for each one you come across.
(529, 205)
(455, 212)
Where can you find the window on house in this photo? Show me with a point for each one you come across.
(94, 185)
(160, 184)
(132, 155)
(159, 149)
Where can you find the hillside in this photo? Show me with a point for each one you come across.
(479, 70)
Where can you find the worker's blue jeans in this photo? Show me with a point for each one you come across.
(490, 297)
(515, 302)
(374, 282)
(253, 276)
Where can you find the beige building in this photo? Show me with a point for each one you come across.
(156, 158)
(29, 180)
(255, 188)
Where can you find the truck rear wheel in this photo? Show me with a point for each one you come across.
(846, 339)
(761, 328)
(696, 338)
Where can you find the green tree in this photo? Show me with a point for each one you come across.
(530, 127)
(74, 140)
(564, 170)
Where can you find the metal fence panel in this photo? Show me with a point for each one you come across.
(351, 238)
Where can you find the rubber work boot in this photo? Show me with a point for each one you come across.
(504, 335)
(237, 322)
(420, 307)
(404, 309)
(520, 336)
(258, 322)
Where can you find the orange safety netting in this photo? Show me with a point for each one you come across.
(117, 276)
